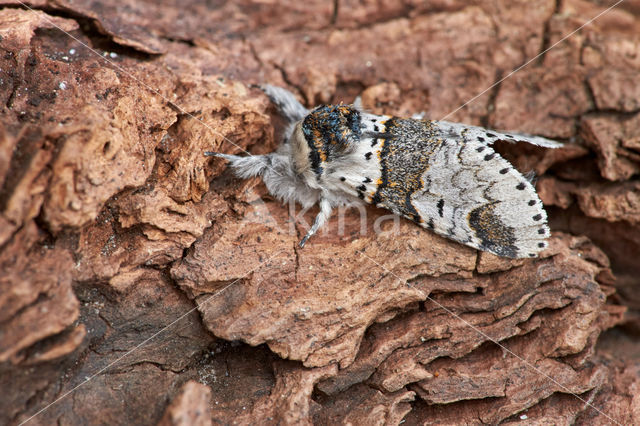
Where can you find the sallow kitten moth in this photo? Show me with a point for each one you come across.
(444, 176)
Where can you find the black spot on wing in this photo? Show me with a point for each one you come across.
(441, 207)
(521, 186)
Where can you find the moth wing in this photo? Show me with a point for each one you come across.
(473, 195)
(488, 137)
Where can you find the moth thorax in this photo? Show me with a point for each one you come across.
(299, 150)
(330, 131)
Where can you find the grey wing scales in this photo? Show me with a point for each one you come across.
(473, 195)
(487, 137)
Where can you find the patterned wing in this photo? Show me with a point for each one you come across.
(458, 186)
(488, 137)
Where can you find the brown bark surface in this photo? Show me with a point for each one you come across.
(140, 283)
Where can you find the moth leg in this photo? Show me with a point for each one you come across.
(285, 101)
(246, 167)
(321, 219)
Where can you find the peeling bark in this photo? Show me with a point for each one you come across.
(141, 284)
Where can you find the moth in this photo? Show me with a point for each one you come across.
(444, 176)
